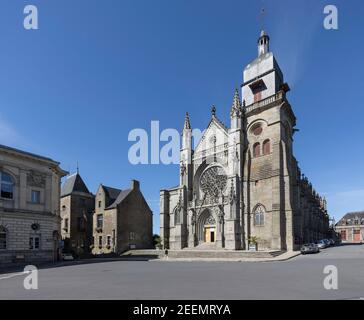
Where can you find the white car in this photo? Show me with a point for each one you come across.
(67, 257)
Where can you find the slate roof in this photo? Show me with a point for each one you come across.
(74, 183)
(352, 216)
(111, 193)
(122, 195)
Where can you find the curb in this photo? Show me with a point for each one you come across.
(273, 259)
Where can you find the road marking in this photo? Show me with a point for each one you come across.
(13, 275)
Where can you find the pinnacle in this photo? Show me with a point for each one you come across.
(236, 107)
(187, 124)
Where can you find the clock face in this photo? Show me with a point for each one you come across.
(213, 181)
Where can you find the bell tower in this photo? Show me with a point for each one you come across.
(269, 176)
(263, 43)
(263, 76)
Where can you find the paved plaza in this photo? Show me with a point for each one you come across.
(298, 278)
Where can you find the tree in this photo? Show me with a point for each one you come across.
(157, 241)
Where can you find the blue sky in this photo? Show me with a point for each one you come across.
(95, 70)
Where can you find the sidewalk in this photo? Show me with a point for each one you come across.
(19, 268)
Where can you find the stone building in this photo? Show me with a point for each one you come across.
(29, 207)
(351, 227)
(122, 220)
(243, 181)
(77, 206)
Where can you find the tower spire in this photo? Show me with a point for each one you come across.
(213, 110)
(262, 17)
(187, 124)
(236, 107)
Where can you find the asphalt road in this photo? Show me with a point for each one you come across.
(299, 278)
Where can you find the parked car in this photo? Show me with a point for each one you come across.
(317, 249)
(332, 242)
(321, 244)
(67, 257)
(328, 243)
(309, 248)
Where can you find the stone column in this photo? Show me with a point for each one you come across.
(192, 237)
(164, 217)
(22, 202)
(219, 218)
(232, 228)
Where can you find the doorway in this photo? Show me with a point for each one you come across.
(356, 236)
(209, 234)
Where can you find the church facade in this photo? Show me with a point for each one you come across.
(242, 183)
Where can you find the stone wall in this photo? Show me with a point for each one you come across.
(129, 224)
(74, 206)
(135, 229)
(19, 229)
(22, 218)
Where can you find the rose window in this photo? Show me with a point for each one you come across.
(213, 181)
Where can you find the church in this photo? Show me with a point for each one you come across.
(241, 184)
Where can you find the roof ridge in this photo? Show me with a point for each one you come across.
(110, 187)
(220, 122)
(28, 153)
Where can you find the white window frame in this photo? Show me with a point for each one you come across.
(34, 191)
(102, 220)
(32, 242)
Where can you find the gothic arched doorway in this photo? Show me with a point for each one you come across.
(206, 227)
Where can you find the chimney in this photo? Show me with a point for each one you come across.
(135, 184)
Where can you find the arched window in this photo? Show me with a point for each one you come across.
(6, 186)
(3, 237)
(177, 215)
(266, 147)
(256, 150)
(259, 215)
(257, 129)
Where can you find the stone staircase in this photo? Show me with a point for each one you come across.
(203, 252)
(205, 246)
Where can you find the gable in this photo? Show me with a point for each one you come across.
(215, 134)
(74, 183)
(130, 199)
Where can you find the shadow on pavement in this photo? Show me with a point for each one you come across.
(50, 265)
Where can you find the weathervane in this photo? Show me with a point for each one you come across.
(262, 16)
